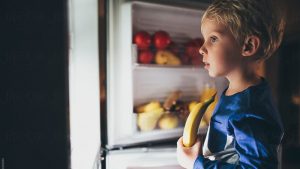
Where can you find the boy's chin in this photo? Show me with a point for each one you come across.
(215, 75)
(212, 74)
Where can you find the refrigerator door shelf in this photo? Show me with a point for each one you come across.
(143, 158)
(142, 138)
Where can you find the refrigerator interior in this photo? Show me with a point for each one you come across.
(131, 84)
(143, 158)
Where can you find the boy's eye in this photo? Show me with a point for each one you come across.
(213, 39)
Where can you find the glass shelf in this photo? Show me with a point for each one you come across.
(157, 66)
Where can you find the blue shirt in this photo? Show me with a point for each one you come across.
(245, 132)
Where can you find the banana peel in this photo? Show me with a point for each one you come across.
(192, 104)
(193, 121)
(210, 110)
(203, 122)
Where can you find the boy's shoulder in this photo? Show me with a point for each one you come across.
(256, 100)
(257, 105)
(259, 98)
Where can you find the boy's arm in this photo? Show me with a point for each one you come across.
(256, 141)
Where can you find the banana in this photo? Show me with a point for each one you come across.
(210, 109)
(193, 121)
(171, 99)
(192, 104)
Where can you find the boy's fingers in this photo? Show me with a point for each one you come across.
(179, 142)
(197, 144)
(180, 145)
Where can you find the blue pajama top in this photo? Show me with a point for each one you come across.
(244, 132)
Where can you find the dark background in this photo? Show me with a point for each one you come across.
(34, 84)
(287, 72)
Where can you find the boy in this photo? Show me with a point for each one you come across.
(245, 129)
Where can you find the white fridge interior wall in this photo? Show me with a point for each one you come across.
(84, 87)
(188, 80)
(181, 23)
(125, 87)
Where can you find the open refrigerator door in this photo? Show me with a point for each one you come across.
(150, 95)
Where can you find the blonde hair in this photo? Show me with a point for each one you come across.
(250, 17)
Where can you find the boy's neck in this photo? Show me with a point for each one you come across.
(242, 78)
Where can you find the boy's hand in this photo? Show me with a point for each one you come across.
(186, 156)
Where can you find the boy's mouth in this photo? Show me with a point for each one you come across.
(206, 65)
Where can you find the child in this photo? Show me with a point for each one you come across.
(245, 129)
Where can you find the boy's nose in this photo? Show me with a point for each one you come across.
(202, 50)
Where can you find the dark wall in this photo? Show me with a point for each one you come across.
(289, 84)
(33, 84)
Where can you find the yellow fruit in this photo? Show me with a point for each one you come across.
(147, 121)
(171, 99)
(148, 107)
(168, 121)
(207, 93)
(193, 121)
(203, 123)
(210, 110)
(140, 109)
(192, 104)
(173, 60)
(152, 106)
(165, 57)
(161, 58)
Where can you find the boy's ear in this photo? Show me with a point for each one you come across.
(251, 45)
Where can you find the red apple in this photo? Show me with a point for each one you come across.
(197, 60)
(145, 56)
(186, 60)
(142, 39)
(173, 47)
(161, 39)
(193, 46)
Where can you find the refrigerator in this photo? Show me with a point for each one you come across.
(132, 83)
(110, 85)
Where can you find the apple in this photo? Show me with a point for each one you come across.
(161, 39)
(145, 56)
(142, 39)
(193, 46)
(186, 60)
(197, 60)
(174, 47)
